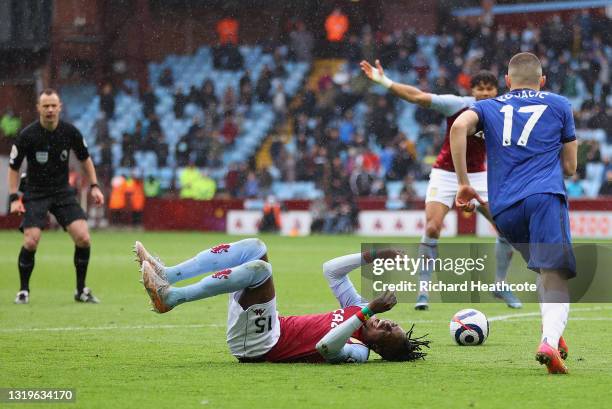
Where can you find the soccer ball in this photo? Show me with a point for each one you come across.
(469, 327)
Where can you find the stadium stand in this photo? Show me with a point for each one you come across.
(337, 130)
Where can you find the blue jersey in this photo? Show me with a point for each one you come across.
(524, 133)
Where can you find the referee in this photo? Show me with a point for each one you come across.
(46, 145)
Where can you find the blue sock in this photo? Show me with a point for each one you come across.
(503, 254)
(248, 275)
(429, 249)
(217, 258)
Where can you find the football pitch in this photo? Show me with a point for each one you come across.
(118, 354)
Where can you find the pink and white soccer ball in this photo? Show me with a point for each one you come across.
(469, 327)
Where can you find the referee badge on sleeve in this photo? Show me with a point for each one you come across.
(42, 157)
(14, 153)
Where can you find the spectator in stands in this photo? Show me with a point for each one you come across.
(207, 98)
(199, 147)
(245, 98)
(569, 85)
(10, 124)
(408, 195)
(404, 162)
(117, 202)
(182, 152)
(196, 185)
(353, 50)
(215, 152)
(347, 128)
(325, 81)
(402, 62)
(227, 29)
(235, 179)
(229, 99)
(361, 181)
(128, 149)
(229, 130)
(271, 218)
(152, 187)
(388, 49)
(368, 48)
(264, 84)
(149, 100)
(166, 78)
(135, 194)
(180, 101)
(301, 42)
(251, 187)
(153, 125)
(382, 120)
(277, 146)
(107, 101)
(279, 101)
(154, 142)
(443, 85)
(227, 57)
(340, 218)
(333, 143)
(104, 165)
(606, 187)
(318, 211)
(574, 187)
(336, 26)
(279, 63)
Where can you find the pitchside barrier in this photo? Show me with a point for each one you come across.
(589, 218)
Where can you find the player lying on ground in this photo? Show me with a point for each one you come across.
(442, 180)
(256, 333)
(531, 144)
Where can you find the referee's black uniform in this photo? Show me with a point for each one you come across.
(46, 189)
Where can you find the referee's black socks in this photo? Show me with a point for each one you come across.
(26, 265)
(81, 261)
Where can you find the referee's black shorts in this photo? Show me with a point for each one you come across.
(61, 203)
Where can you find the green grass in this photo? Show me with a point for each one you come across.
(120, 355)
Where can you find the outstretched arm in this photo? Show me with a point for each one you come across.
(336, 272)
(405, 92)
(333, 346)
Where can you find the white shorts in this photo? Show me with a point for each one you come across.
(251, 333)
(443, 186)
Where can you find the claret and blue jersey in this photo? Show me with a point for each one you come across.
(524, 133)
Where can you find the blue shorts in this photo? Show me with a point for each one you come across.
(538, 227)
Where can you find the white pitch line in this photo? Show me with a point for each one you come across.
(537, 313)
(111, 327)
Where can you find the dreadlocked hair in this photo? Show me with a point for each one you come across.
(412, 348)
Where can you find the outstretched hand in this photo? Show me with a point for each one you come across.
(376, 74)
(383, 302)
(465, 196)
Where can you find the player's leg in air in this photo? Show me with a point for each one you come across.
(237, 266)
(242, 271)
(503, 257)
(543, 238)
